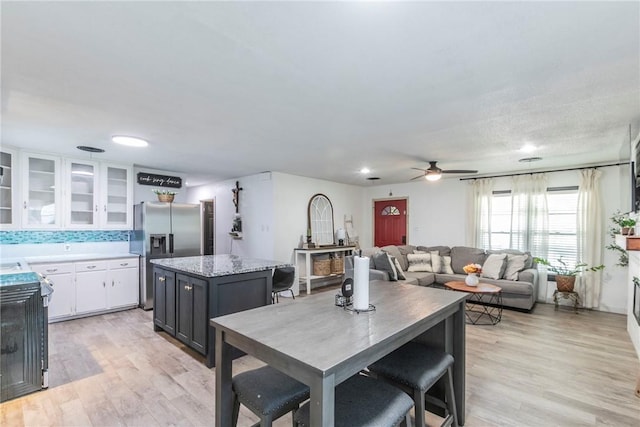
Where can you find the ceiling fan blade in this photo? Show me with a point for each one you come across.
(418, 169)
(419, 176)
(458, 171)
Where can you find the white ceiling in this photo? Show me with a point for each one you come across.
(223, 90)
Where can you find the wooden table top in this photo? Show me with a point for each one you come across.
(482, 288)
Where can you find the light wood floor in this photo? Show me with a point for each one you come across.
(544, 368)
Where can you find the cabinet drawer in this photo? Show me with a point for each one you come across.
(123, 263)
(46, 269)
(91, 266)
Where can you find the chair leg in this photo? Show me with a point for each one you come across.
(293, 416)
(418, 400)
(451, 398)
(266, 421)
(236, 410)
(292, 295)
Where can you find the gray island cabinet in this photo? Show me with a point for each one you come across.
(188, 291)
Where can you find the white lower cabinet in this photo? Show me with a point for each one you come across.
(122, 272)
(62, 277)
(91, 287)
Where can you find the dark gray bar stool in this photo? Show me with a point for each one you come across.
(416, 368)
(283, 278)
(268, 393)
(364, 401)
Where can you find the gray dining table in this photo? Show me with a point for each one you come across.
(320, 344)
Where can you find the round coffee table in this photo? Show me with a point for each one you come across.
(484, 304)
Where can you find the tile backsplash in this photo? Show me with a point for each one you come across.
(85, 236)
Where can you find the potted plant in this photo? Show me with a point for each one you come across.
(165, 195)
(625, 223)
(565, 275)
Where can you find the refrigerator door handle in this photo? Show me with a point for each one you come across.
(170, 243)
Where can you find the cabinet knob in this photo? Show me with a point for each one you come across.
(104, 285)
(105, 208)
(187, 287)
(96, 208)
(90, 267)
(25, 205)
(51, 270)
(112, 284)
(124, 264)
(161, 279)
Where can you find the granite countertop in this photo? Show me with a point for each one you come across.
(75, 257)
(218, 265)
(19, 278)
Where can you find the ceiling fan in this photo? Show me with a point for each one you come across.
(434, 173)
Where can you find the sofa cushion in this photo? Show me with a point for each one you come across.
(382, 261)
(422, 278)
(370, 252)
(515, 264)
(419, 262)
(442, 250)
(463, 255)
(494, 265)
(528, 262)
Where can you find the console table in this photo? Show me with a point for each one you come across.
(306, 253)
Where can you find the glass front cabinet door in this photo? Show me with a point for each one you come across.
(7, 189)
(41, 191)
(82, 194)
(117, 196)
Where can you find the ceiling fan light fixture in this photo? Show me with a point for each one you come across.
(129, 141)
(433, 176)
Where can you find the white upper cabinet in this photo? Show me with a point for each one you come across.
(41, 191)
(8, 194)
(116, 196)
(81, 194)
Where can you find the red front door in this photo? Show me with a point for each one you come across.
(390, 222)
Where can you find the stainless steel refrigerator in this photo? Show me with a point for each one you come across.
(163, 230)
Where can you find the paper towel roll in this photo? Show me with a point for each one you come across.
(360, 283)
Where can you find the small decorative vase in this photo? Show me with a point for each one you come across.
(471, 279)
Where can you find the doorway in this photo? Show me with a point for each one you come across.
(390, 222)
(208, 240)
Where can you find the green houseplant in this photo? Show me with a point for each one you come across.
(165, 195)
(566, 275)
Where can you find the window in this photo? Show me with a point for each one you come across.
(390, 210)
(504, 233)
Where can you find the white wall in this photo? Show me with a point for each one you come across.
(437, 215)
(255, 208)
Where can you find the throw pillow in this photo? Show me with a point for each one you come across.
(446, 265)
(419, 262)
(436, 261)
(383, 262)
(493, 267)
(399, 270)
(515, 264)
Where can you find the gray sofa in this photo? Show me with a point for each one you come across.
(519, 294)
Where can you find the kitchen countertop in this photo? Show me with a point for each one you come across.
(218, 265)
(18, 278)
(75, 257)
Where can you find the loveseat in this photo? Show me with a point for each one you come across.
(512, 270)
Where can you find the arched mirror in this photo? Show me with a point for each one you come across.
(320, 220)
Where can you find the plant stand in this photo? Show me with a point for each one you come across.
(571, 295)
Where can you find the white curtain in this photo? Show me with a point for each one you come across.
(590, 236)
(480, 220)
(529, 214)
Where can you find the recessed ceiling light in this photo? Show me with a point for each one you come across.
(528, 148)
(530, 159)
(129, 141)
(365, 170)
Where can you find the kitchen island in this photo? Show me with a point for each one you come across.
(188, 291)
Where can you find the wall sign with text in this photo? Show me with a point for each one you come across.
(159, 180)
